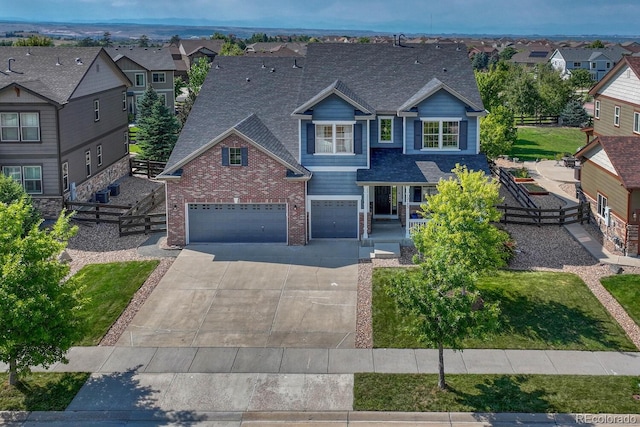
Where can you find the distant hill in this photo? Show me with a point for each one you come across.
(163, 29)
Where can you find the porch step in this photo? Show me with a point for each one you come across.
(386, 250)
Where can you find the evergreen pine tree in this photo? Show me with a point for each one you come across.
(158, 133)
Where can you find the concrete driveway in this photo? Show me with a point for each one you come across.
(248, 295)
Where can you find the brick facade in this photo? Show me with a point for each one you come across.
(205, 180)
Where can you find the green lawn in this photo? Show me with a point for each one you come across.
(40, 391)
(134, 148)
(539, 310)
(625, 288)
(544, 142)
(497, 393)
(110, 288)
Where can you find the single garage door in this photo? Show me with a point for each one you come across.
(237, 223)
(334, 219)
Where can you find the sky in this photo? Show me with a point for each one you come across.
(524, 17)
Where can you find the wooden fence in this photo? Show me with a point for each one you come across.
(142, 224)
(536, 120)
(96, 212)
(535, 216)
(149, 168)
(148, 203)
(517, 191)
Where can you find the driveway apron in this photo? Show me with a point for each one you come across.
(253, 295)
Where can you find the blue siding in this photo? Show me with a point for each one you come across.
(333, 184)
(333, 108)
(397, 134)
(443, 104)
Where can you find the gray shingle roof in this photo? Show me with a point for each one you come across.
(52, 72)
(386, 75)
(340, 88)
(149, 58)
(236, 87)
(584, 54)
(191, 46)
(391, 166)
(380, 77)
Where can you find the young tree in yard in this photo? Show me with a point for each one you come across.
(157, 133)
(197, 73)
(574, 114)
(445, 307)
(457, 244)
(521, 93)
(38, 308)
(229, 48)
(11, 192)
(497, 132)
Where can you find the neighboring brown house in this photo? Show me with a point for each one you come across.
(610, 173)
(610, 179)
(188, 51)
(530, 56)
(63, 122)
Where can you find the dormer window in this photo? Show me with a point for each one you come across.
(385, 130)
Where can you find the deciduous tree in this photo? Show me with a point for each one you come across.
(34, 40)
(11, 192)
(498, 132)
(38, 307)
(458, 243)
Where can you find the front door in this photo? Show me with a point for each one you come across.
(385, 201)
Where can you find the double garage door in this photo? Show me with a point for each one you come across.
(334, 219)
(237, 223)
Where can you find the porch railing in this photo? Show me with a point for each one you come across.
(415, 219)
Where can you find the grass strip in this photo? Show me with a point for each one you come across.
(41, 391)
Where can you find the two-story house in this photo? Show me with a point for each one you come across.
(63, 122)
(610, 172)
(597, 61)
(188, 51)
(146, 67)
(291, 149)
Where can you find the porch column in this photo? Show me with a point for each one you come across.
(365, 234)
(407, 211)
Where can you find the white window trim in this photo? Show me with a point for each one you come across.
(616, 116)
(20, 127)
(65, 176)
(87, 162)
(600, 206)
(596, 110)
(126, 142)
(334, 124)
(135, 79)
(440, 120)
(24, 180)
(124, 101)
(380, 119)
(230, 156)
(99, 154)
(163, 96)
(158, 74)
(96, 110)
(636, 122)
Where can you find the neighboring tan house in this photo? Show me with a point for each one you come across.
(597, 61)
(610, 180)
(146, 67)
(327, 146)
(63, 122)
(188, 51)
(610, 172)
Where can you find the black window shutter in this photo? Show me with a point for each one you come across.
(311, 138)
(417, 135)
(357, 138)
(225, 156)
(244, 152)
(463, 135)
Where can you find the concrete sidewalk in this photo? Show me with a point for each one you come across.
(286, 361)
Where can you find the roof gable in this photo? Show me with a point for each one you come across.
(256, 133)
(624, 154)
(428, 90)
(340, 89)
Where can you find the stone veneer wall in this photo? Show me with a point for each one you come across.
(361, 220)
(616, 232)
(51, 206)
(100, 181)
